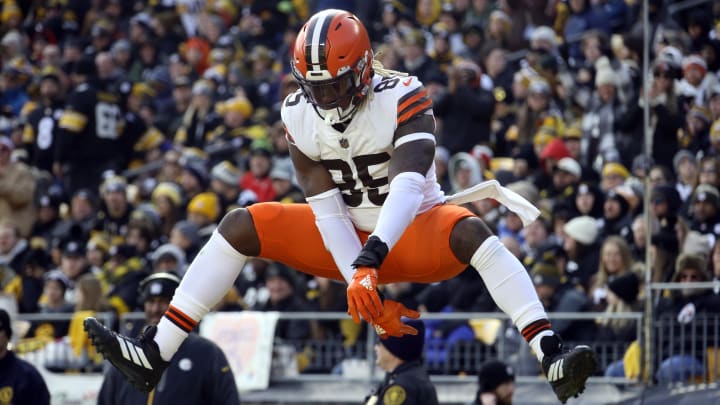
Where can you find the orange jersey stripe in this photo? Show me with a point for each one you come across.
(415, 111)
(405, 103)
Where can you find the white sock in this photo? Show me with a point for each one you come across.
(206, 281)
(510, 287)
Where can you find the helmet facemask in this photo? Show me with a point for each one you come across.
(336, 99)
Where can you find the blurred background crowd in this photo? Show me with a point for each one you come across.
(130, 127)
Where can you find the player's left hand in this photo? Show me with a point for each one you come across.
(390, 322)
(362, 296)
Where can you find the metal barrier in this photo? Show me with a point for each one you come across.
(685, 344)
(685, 353)
(326, 357)
(56, 354)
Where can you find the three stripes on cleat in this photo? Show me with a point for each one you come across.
(133, 353)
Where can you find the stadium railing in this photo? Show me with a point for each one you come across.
(323, 360)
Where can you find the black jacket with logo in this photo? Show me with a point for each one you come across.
(199, 373)
(21, 383)
(408, 384)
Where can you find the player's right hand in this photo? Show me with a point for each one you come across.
(362, 295)
(390, 322)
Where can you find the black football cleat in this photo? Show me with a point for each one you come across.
(568, 370)
(137, 359)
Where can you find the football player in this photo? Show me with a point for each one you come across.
(362, 142)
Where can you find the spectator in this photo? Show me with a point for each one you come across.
(622, 298)
(200, 373)
(257, 178)
(405, 377)
(83, 211)
(706, 211)
(496, 384)
(685, 166)
(464, 171)
(12, 250)
(38, 136)
(584, 16)
(558, 296)
(538, 110)
(638, 245)
(416, 61)
(171, 169)
(53, 302)
(17, 186)
(665, 111)
(283, 178)
(167, 199)
(27, 286)
(589, 200)
(232, 134)
(185, 236)
(19, 380)
(121, 276)
(193, 177)
(615, 261)
(73, 265)
(89, 300)
(283, 296)
(680, 312)
(90, 138)
(112, 219)
(442, 159)
(48, 216)
(581, 244)
(466, 109)
(200, 118)
(445, 337)
(709, 171)
(613, 174)
(224, 180)
(617, 216)
(565, 177)
(696, 81)
(203, 211)
(329, 295)
(695, 135)
(168, 258)
(263, 83)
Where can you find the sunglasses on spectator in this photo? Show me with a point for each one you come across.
(665, 75)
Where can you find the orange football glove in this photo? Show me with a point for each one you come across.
(390, 322)
(362, 295)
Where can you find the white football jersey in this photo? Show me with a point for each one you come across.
(358, 158)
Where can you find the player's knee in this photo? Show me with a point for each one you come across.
(238, 229)
(467, 235)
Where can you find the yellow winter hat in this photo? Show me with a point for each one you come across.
(236, 104)
(169, 190)
(613, 168)
(206, 204)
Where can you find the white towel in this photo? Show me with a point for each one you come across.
(492, 189)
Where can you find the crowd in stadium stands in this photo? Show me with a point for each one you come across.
(130, 127)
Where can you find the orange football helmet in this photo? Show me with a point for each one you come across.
(332, 62)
